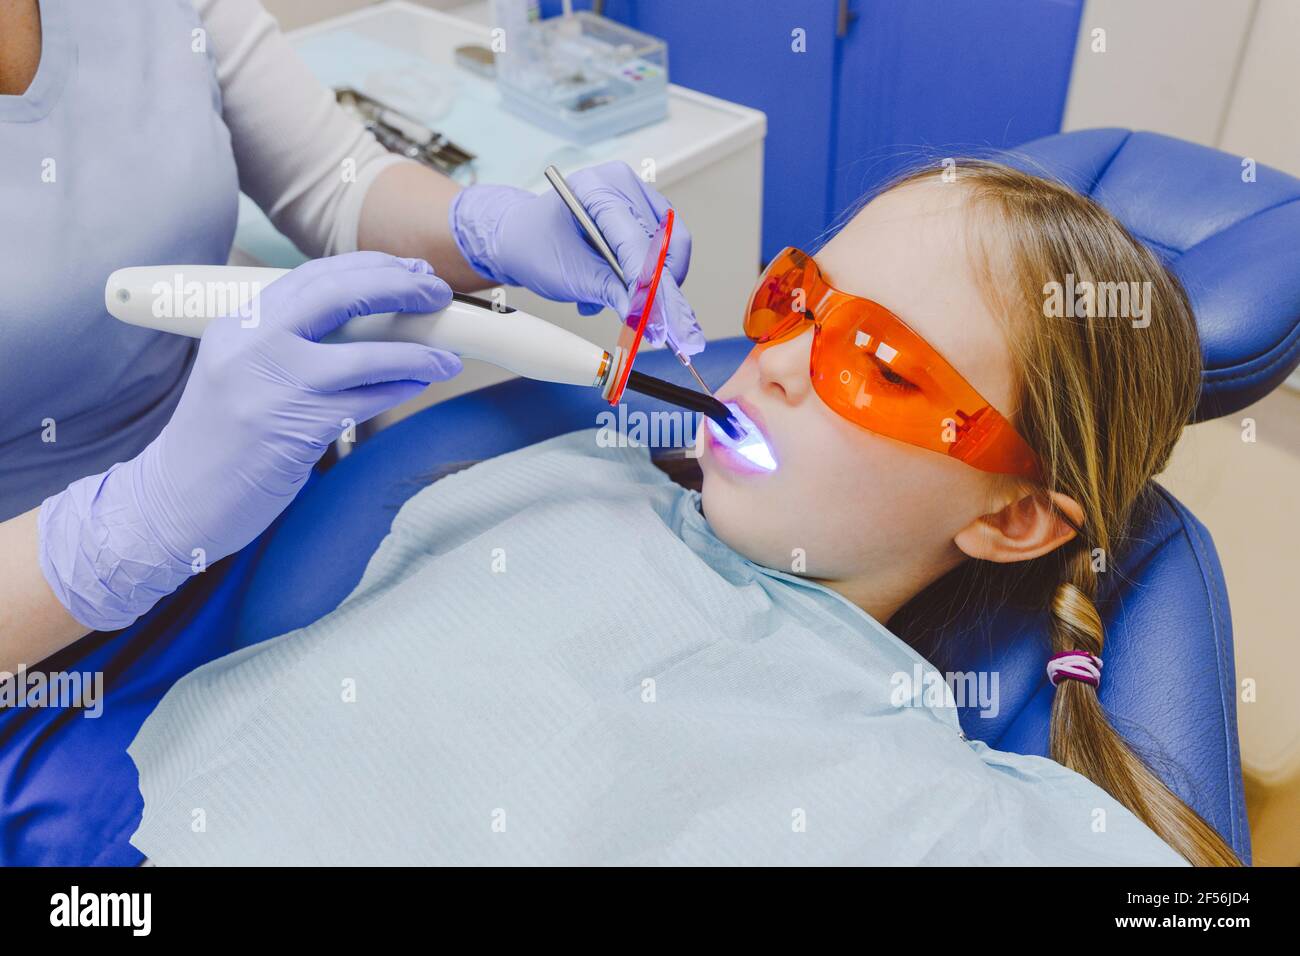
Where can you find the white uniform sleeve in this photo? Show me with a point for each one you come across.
(290, 138)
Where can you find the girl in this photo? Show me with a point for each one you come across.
(1100, 400)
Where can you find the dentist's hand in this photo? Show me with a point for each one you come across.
(515, 237)
(261, 406)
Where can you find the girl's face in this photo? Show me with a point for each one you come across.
(872, 517)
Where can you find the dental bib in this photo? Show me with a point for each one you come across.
(493, 693)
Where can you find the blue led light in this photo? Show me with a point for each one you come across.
(752, 447)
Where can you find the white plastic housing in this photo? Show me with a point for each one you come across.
(167, 298)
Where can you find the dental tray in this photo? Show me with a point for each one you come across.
(585, 77)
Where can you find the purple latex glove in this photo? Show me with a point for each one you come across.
(514, 237)
(261, 406)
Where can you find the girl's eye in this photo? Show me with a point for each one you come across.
(892, 377)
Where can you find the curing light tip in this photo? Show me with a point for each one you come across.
(748, 441)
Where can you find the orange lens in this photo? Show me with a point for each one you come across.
(871, 368)
(779, 303)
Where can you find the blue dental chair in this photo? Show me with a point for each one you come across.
(1170, 684)
(1169, 660)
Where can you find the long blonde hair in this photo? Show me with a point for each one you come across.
(1103, 403)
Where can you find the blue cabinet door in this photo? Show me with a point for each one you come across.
(945, 77)
(854, 89)
(778, 57)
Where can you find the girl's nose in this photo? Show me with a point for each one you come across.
(783, 366)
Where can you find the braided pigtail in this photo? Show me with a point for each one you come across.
(1083, 739)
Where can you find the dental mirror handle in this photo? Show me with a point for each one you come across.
(155, 297)
(589, 227)
(597, 240)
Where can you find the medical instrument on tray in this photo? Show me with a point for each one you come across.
(476, 58)
(400, 134)
(597, 239)
(581, 76)
(472, 328)
(872, 369)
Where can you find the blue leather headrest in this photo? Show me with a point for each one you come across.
(1234, 243)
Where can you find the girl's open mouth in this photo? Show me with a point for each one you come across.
(751, 453)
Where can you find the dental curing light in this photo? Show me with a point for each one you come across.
(183, 299)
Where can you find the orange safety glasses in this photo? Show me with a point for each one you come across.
(875, 371)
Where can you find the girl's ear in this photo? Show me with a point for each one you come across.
(1026, 528)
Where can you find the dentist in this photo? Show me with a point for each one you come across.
(130, 460)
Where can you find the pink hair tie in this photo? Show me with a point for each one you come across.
(1076, 665)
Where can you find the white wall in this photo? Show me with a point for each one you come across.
(1168, 65)
(1263, 118)
(1225, 73)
